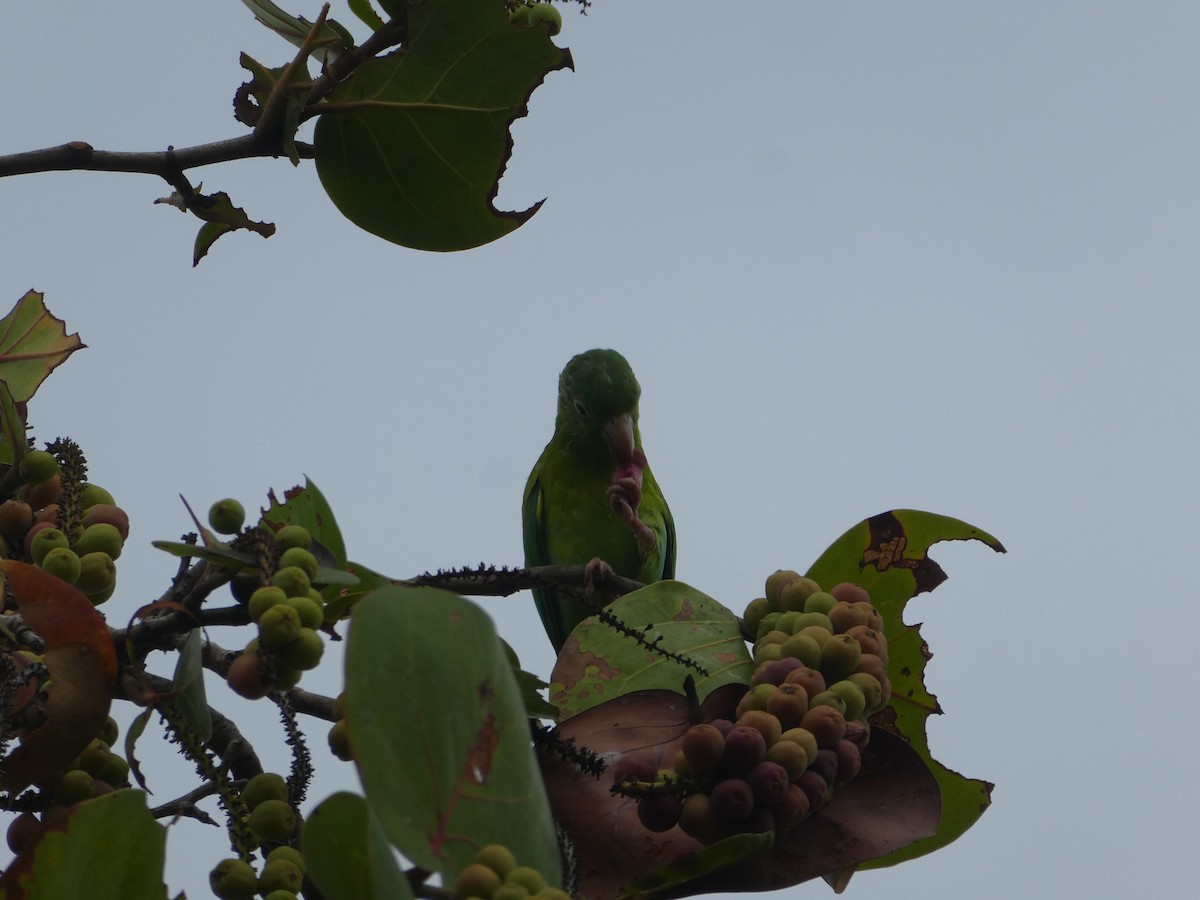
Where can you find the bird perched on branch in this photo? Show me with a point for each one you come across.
(591, 499)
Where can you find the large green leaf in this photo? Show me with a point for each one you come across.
(79, 856)
(599, 663)
(888, 555)
(440, 735)
(347, 853)
(32, 344)
(412, 146)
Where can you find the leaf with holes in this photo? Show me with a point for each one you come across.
(888, 555)
(598, 662)
(411, 147)
(439, 732)
(220, 217)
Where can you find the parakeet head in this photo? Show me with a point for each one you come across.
(598, 401)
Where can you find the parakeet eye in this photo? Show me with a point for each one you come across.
(580, 408)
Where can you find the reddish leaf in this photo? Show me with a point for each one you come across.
(893, 802)
(83, 667)
(611, 846)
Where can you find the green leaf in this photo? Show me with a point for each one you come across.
(347, 853)
(366, 14)
(220, 217)
(339, 601)
(599, 663)
(80, 858)
(536, 706)
(135, 730)
(531, 687)
(412, 146)
(251, 98)
(307, 506)
(888, 555)
(13, 445)
(33, 343)
(217, 556)
(440, 735)
(334, 39)
(190, 698)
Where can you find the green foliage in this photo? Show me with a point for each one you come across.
(190, 698)
(332, 37)
(307, 506)
(440, 734)
(411, 141)
(609, 664)
(412, 148)
(348, 854)
(82, 860)
(366, 13)
(221, 217)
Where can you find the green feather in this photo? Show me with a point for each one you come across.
(567, 516)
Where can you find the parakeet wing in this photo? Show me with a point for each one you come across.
(533, 518)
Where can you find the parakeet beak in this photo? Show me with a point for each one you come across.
(618, 431)
(625, 491)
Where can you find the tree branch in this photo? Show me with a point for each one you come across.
(168, 164)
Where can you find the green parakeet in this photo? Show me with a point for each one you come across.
(591, 494)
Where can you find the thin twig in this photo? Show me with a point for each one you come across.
(186, 805)
(489, 581)
(270, 123)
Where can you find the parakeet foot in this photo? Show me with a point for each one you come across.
(596, 570)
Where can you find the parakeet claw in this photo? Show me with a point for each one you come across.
(596, 570)
(624, 500)
(625, 492)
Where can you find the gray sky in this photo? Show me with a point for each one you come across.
(861, 256)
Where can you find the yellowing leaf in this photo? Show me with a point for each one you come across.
(32, 344)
